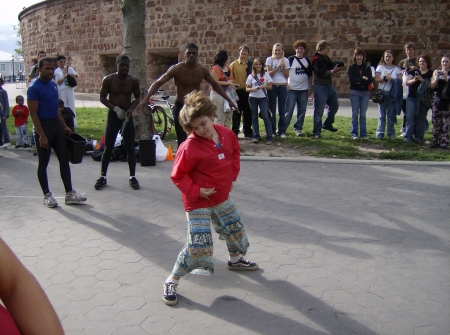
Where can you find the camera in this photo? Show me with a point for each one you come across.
(237, 85)
(339, 63)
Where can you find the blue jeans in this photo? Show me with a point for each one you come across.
(410, 114)
(33, 142)
(415, 124)
(264, 107)
(22, 134)
(279, 91)
(4, 134)
(294, 97)
(386, 109)
(324, 95)
(359, 109)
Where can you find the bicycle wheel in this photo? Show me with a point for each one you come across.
(159, 121)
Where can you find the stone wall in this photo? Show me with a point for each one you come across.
(89, 32)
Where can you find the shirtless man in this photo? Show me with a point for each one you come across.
(188, 76)
(119, 86)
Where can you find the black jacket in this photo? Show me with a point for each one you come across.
(322, 66)
(355, 74)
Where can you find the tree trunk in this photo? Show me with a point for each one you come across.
(134, 45)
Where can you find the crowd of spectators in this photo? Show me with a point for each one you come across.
(410, 86)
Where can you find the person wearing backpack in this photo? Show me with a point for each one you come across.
(299, 87)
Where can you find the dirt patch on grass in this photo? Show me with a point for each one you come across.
(277, 149)
(368, 150)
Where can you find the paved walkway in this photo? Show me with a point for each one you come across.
(355, 248)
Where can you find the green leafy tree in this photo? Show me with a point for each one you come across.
(19, 50)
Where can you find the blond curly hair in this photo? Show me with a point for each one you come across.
(196, 104)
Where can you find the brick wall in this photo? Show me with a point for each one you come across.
(89, 32)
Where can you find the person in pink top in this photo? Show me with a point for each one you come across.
(206, 167)
(27, 308)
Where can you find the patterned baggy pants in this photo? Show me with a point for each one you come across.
(198, 251)
(440, 118)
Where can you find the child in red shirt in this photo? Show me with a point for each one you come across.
(20, 113)
(206, 166)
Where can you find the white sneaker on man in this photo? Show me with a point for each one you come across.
(6, 145)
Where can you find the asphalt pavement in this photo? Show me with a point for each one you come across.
(344, 247)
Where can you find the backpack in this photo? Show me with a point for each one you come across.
(249, 67)
(308, 70)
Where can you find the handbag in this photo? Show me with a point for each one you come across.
(378, 97)
(71, 81)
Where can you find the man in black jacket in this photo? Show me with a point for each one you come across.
(324, 92)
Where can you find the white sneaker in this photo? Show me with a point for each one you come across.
(75, 198)
(401, 135)
(283, 135)
(49, 201)
(6, 145)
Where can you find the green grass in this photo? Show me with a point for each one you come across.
(341, 145)
(91, 124)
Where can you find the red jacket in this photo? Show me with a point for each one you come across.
(20, 119)
(200, 164)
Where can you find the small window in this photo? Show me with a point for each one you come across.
(2, 67)
(108, 64)
(374, 56)
(160, 61)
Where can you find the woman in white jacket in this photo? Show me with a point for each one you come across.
(66, 92)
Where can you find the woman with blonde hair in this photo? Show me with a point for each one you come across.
(278, 69)
(384, 74)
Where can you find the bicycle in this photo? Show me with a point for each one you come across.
(162, 121)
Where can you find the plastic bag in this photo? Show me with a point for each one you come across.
(161, 150)
(232, 94)
(118, 141)
(405, 87)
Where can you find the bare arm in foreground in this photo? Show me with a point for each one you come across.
(24, 298)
